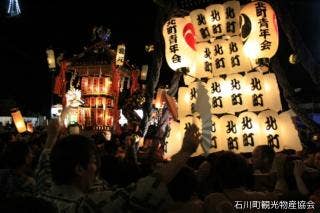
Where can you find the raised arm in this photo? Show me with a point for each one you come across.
(190, 143)
(297, 172)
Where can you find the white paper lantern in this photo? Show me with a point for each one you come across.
(51, 59)
(203, 61)
(184, 102)
(250, 133)
(237, 60)
(235, 100)
(221, 57)
(179, 40)
(216, 140)
(229, 134)
(217, 92)
(272, 93)
(259, 30)
(289, 132)
(121, 51)
(174, 140)
(216, 19)
(254, 91)
(232, 11)
(198, 19)
(270, 129)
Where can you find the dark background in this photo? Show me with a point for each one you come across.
(66, 26)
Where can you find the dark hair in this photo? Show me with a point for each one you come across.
(15, 154)
(27, 205)
(266, 152)
(231, 170)
(67, 154)
(183, 185)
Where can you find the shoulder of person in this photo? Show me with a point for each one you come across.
(217, 201)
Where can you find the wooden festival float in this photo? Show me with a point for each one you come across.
(95, 83)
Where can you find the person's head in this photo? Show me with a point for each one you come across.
(18, 154)
(74, 129)
(107, 134)
(74, 162)
(262, 158)
(231, 170)
(183, 185)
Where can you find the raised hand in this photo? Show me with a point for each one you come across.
(191, 140)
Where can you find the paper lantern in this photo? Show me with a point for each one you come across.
(159, 101)
(90, 86)
(30, 127)
(217, 143)
(221, 57)
(144, 72)
(216, 19)
(272, 93)
(237, 59)
(96, 85)
(250, 133)
(178, 34)
(232, 13)
(51, 59)
(84, 85)
(121, 50)
(198, 19)
(184, 102)
(217, 94)
(289, 132)
(88, 117)
(99, 116)
(203, 60)
(259, 30)
(174, 140)
(270, 129)
(108, 119)
(254, 91)
(235, 99)
(229, 134)
(18, 120)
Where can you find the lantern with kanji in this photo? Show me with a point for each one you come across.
(204, 68)
(235, 99)
(179, 40)
(249, 130)
(229, 134)
(232, 12)
(259, 30)
(216, 88)
(199, 22)
(174, 140)
(216, 19)
(270, 129)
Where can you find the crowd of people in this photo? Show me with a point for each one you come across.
(55, 169)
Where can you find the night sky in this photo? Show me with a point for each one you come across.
(66, 26)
